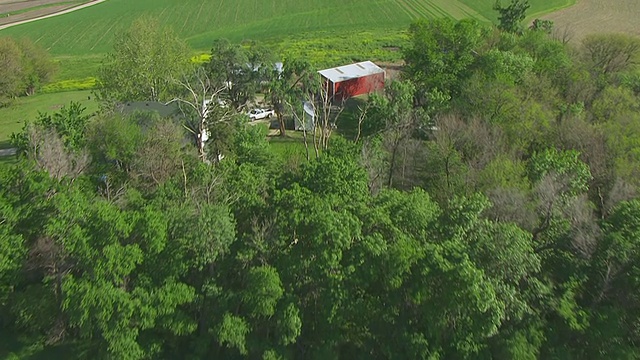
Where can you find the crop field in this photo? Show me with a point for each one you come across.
(597, 16)
(91, 30)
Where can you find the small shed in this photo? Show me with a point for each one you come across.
(352, 80)
(308, 119)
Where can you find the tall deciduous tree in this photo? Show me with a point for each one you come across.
(24, 68)
(609, 54)
(439, 58)
(38, 66)
(145, 60)
(286, 88)
(10, 68)
(511, 16)
(394, 116)
(239, 69)
(201, 102)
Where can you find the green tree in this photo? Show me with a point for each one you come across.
(511, 16)
(614, 286)
(11, 67)
(12, 251)
(145, 61)
(542, 25)
(440, 56)
(561, 163)
(394, 118)
(286, 89)
(69, 123)
(240, 69)
(506, 66)
(38, 66)
(24, 68)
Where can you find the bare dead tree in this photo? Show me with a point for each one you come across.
(201, 97)
(50, 258)
(564, 34)
(47, 150)
(329, 112)
(395, 134)
(206, 191)
(261, 231)
(584, 229)
(374, 160)
(484, 142)
(160, 154)
(607, 278)
(362, 110)
(548, 191)
(621, 191)
(611, 53)
(449, 139)
(511, 205)
(109, 191)
(577, 134)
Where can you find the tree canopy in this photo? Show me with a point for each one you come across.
(24, 68)
(485, 207)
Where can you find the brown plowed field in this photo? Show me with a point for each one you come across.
(598, 16)
(35, 13)
(7, 6)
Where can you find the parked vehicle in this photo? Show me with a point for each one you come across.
(258, 114)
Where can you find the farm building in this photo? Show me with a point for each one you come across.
(352, 80)
(308, 119)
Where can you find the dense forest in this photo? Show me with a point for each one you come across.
(484, 206)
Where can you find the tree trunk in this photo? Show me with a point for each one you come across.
(393, 162)
(283, 130)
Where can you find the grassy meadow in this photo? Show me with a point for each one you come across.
(27, 108)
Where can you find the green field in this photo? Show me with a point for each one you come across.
(91, 30)
(27, 108)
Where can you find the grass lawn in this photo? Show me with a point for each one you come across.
(27, 108)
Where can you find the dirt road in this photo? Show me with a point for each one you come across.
(7, 152)
(55, 13)
(12, 6)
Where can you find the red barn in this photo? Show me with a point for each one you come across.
(352, 80)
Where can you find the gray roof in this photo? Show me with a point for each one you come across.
(351, 71)
(164, 110)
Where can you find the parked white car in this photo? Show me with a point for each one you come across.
(258, 114)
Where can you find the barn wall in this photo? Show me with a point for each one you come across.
(359, 86)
